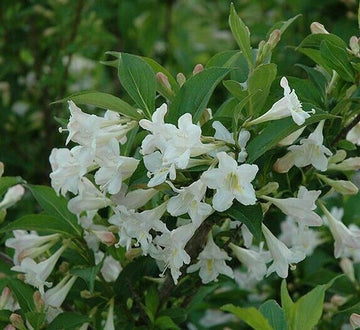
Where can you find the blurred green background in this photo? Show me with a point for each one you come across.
(50, 49)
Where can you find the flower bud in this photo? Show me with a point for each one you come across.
(339, 156)
(268, 189)
(350, 164)
(9, 327)
(354, 45)
(1, 169)
(17, 321)
(180, 78)
(338, 300)
(105, 237)
(347, 267)
(317, 28)
(4, 298)
(163, 80)
(341, 186)
(12, 196)
(285, 163)
(198, 68)
(274, 38)
(355, 320)
(39, 302)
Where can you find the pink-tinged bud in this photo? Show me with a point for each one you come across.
(163, 80)
(285, 163)
(338, 300)
(347, 267)
(105, 237)
(9, 327)
(274, 38)
(4, 298)
(198, 68)
(17, 321)
(317, 28)
(1, 169)
(38, 301)
(180, 78)
(354, 45)
(355, 320)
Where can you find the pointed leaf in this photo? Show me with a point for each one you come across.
(241, 34)
(72, 320)
(250, 316)
(23, 293)
(55, 206)
(286, 302)
(195, 93)
(250, 215)
(274, 314)
(138, 79)
(104, 101)
(282, 26)
(88, 275)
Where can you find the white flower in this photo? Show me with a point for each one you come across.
(169, 249)
(282, 256)
(300, 208)
(111, 269)
(68, 167)
(287, 106)
(37, 273)
(109, 324)
(12, 196)
(89, 198)
(113, 167)
(312, 151)
(55, 296)
(343, 236)
(299, 236)
(189, 200)
(230, 181)
(28, 244)
(211, 262)
(254, 261)
(133, 225)
(354, 134)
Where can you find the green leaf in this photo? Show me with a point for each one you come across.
(250, 215)
(278, 130)
(195, 93)
(36, 319)
(8, 181)
(178, 315)
(41, 222)
(56, 206)
(200, 295)
(241, 34)
(336, 58)
(151, 303)
(235, 88)
(283, 26)
(138, 79)
(286, 302)
(274, 314)
(259, 84)
(88, 275)
(104, 101)
(165, 322)
(250, 316)
(347, 145)
(227, 59)
(71, 320)
(23, 293)
(316, 77)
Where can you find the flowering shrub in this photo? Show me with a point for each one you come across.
(159, 204)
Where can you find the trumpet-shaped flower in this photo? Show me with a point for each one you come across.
(300, 208)
(288, 105)
(311, 151)
(211, 263)
(68, 167)
(55, 296)
(189, 200)
(343, 236)
(37, 273)
(282, 256)
(254, 261)
(230, 181)
(113, 167)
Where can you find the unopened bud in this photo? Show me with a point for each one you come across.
(274, 38)
(17, 321)
(317, 28)
(355, 320)
(1, 169)
(198, 68)
(4, 298)
(163, 80)
(38, 301)
(268, 189)
(86, 294)
(338, 300)
(339, 156)
(12, 196)
(341, 186)
(350, 164)
(180, 78)
(285, 163)
(133, 253)
(105, 237)
(347, 267)
(64, 267)
(354, 45)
